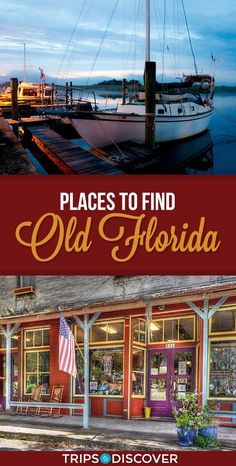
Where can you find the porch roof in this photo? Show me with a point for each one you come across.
(162, 298)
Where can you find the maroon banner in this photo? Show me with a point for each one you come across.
(117, 225)
(181, 458)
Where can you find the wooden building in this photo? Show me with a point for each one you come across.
(141, 341)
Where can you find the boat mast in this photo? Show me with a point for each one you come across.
(24, 63)
(147, 30)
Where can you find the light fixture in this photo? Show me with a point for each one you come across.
(161, 307)
(15, 337)
(108, 329)
(154, 327)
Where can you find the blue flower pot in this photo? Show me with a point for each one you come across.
(186, 436)
(211, 433)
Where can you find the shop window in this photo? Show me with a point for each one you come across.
(139, 331)
(107, 332)
(222, 376)
(156, 331)
(79, 335)
(23, 281)
(172, 330)
(14, 374)
(186, 329)
(14, 341)
(79, 381)
(106, 373)
(138, 372)
(37, 338)
(37, 370)
(223, 321)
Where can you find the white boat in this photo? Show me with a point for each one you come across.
(36, 92)
(182, 110)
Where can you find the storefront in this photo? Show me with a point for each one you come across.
(136, 358)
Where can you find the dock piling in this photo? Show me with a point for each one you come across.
(67, 93)
(71, 93)
(14, 98)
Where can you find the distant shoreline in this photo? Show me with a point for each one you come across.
(115, 89)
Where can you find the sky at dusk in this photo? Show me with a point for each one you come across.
(90, 40)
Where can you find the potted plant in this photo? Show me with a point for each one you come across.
(207, 428)
(186, 419)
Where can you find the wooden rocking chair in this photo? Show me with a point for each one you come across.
(56, 397)
(36, 396)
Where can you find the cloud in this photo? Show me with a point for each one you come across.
(65, 37)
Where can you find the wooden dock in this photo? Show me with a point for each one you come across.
(167, 158)
(70, 158)
(13, 158)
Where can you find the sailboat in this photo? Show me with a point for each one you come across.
(28, 91)
(160, 113)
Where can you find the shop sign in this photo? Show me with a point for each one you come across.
(182, 368)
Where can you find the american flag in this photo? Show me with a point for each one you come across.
(67, 359)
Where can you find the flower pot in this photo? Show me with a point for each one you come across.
(147, 412)
(209, 433)
(186, 436)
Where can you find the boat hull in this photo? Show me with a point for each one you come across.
(106, 129)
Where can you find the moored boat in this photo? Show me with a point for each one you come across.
(181, 110)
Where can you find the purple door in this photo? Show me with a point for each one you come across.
(170, 377)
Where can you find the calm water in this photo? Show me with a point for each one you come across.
(223, 133)
(214, 152)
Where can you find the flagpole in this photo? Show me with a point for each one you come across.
(79, 349)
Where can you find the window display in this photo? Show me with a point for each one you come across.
(106, 372)
(222, 376)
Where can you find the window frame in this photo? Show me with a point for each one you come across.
(13, 348)
(104, 395)
(35, 329)
(228, 332)
(178, 318)
(144, 372)
(215, 340)
(139, 342)
(20, 281)
(37, 351)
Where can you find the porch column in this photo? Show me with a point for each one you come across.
(8, 333)
(86, 326)
(206, 314)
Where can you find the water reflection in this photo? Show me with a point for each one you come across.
(194, 155)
